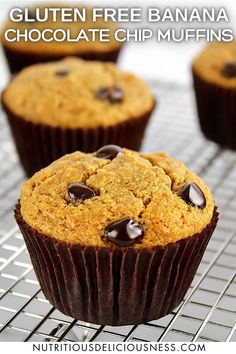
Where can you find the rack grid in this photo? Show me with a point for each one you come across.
(208, 312)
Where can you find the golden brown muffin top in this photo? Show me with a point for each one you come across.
(145, 187)
(64, 47)
(217, 64)
(74, 93)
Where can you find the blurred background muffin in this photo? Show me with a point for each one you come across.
(20, 54)
(214, 75)
(60, 107)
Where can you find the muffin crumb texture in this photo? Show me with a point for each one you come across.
(73, 93)
(144, 187)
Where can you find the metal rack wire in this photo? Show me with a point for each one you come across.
(208, 312)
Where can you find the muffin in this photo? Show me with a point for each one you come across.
(116, 236)
(214, 76)
(20, 54)
(57, 108)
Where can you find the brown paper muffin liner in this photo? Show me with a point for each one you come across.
(114, 286)
(38, 144)
(19, 60)
(217, 111)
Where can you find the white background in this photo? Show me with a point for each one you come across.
(161, 61)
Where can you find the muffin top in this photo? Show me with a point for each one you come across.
(63, 47)
(74, 93)
(116, 197)
(217, 64)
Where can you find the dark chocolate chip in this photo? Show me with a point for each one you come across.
(124, 232)
(62, 72)
(103, 93)
(112, 94)
(229, 69)
(79, 192)
(193, 195)
(116, 94)
(109, 152)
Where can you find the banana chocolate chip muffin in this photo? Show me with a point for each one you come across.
(57, 108)
(116, 236)
(214, 75)
(22, 53)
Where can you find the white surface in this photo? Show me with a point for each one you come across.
(162, 61)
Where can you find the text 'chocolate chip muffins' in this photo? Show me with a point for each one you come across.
(57, 108)
(22, 53)
(116, 237)
(214, 75)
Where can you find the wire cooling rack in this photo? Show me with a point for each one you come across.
(208, 312)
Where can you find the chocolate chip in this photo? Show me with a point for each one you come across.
(116, 94)
(124, 232)
(62, 72)
(109, 152)
(112, 94)
(229, 69)
(193, 195)
(103, 93)
(78, 192)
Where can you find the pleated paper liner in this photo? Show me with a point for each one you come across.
(18, 60)
(38, 144)
(217, 111)
(114, 286)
